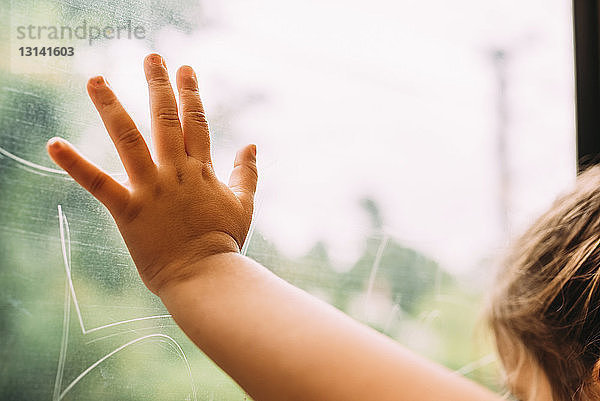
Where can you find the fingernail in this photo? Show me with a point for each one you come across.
(156, 59)
(97, 81)
(54, 143)
(188, 71)
(253, 148)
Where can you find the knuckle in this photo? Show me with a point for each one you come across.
(189, 89)
(98, 182)
(175, 173)
(158, 79)
(179, 174)
(128, 138)
(247, 165)
(196, 117)
(131, 212)
(168, 116)
(157, 190)
(252, 168)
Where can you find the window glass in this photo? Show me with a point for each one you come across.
(400, 144)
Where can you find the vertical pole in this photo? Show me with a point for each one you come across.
(499, 61)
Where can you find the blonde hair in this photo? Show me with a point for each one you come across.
(545, 308)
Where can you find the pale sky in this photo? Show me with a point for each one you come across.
(395, 100)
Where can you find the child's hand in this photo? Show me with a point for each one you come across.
(173, 212)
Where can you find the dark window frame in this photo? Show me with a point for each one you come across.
(586, 17)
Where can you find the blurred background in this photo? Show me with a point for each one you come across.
(401, 144)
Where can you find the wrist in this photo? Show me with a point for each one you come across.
(193, 261)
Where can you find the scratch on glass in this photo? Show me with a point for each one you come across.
(375, 267)
(71, 295)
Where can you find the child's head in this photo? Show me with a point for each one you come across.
(545, 313)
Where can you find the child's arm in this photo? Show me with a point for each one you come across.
(184, 230)
(280, 343)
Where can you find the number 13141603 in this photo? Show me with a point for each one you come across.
(46, 51)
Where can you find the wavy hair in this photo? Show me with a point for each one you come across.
(545, 307)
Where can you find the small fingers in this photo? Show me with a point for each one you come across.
(101, 185)
(195, 127)
(166, 127)
(127, 139)
(244, 177)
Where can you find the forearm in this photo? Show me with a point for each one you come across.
(279, 343)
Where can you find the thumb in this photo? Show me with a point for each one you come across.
(244, 176)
